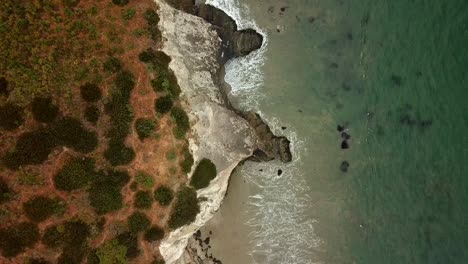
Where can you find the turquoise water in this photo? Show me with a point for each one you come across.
(396, 72)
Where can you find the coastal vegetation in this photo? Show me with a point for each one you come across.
(164, 195)
(92, 133)
(204, 173)
(185, 208)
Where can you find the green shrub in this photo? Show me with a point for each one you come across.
(44, 110)
(181, 118)
(34, 147)
(129, 14)
(4, 86)
(121, 116)
(138, 222)
(185, 209)
(37, 261)
(90, 92)
(52, 236)
(112, 178)
(71, 133)
(154, 233)
(120, 2)
(171, 155)
(147, 55)
(11, 116)
(144, 179)
(40, 208)
(92, 114)
(204, 173)
(163, 104)
(130, 241)
(187, 163)
(112, 252)
(105, 194)
(143, 200)
(105, 200)
(125, 82)
(145, 127)
(5, 192)
(112, 65)
(164, 195)
(15, 239)
(71, 3)
(119, 154)
(73, 240)
(31, 148)
(75, 175)
(151, 17)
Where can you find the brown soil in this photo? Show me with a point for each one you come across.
(150, 154)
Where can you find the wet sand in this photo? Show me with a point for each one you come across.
(229, 238)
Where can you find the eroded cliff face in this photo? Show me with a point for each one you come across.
(198, 48)
(218, 133)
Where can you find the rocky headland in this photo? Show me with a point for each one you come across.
(200, 39)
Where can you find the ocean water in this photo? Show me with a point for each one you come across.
(395, 73)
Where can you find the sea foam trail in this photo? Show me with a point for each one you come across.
(284, 235)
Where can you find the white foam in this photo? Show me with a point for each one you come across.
(245, 73)
(283, 234)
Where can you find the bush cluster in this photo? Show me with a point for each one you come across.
(71, 237)
(5, 191)
(71, 3)
(112, 65)
(147, 56)
(204, 173)
(44, 110)
(185, 209)
(143, 200)
(37, 261)
(112, 252)
(71, 133)
(144, 179)
(31, 148)
(152, 20)
(121, 117)
(92, 114)
(105, 193)
(182, 121)
(154, 233)
(34, 147)
(163, 195)
(11, 116)
(90, 92)
(120, 2)
(187, 163)
(130, 241)
(164, 104)
(4, 86)
(15, 239)
(145, 127)
(40, 208)
(75, 175)
(138, 222)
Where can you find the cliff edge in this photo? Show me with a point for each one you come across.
(219, 132)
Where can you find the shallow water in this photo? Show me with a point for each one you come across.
(396, 73)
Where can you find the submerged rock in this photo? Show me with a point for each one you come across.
(344, 166)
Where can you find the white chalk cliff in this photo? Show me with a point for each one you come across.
(217, 133)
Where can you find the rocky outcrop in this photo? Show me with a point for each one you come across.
(220, 133)
(269, 146)
(235, 43)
